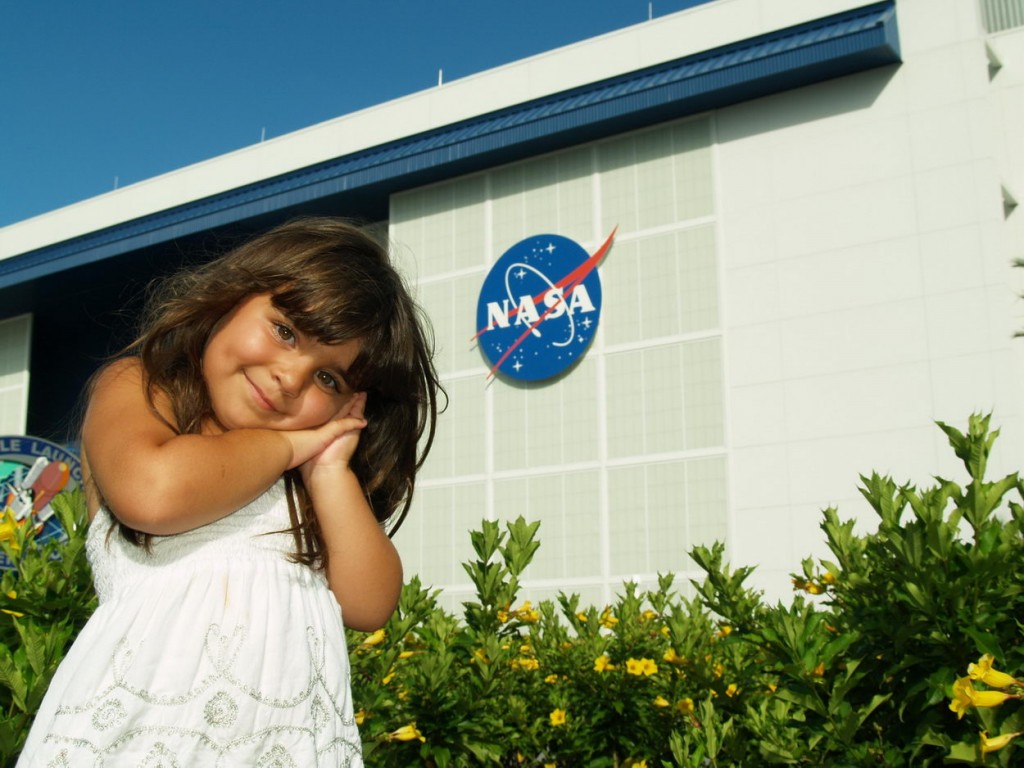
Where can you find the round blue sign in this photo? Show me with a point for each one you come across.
(32, 472)
(539, 307)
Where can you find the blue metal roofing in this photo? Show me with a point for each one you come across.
(833, 46)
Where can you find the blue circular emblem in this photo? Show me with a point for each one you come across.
(32, 472)
(539, 307)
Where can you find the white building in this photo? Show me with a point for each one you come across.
(815, 210)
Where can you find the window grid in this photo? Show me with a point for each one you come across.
(605, 456)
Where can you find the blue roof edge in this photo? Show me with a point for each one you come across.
(814, 51)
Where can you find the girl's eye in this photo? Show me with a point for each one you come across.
(328, 381)
(284, 332)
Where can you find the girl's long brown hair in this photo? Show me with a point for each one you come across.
(335, 283)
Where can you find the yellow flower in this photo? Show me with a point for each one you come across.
(718, 669)
(665, 631)
(983, 671)
(550, 765)
(388, 677)
(997, 743)
(375, 639)
(8, 529)
(360, 717)
(725, 631)
(645, 667)
(660, 701)
(557, 717)
(685, 706)
(828, 578)
(481, 656)
(966, 696)
(502, 616)
(406, 733)
(819, 671)
(673, 658)
(527, 613)
(581, 617)
(406, 654)
(732, 690)
(608, 620)
(648, 615)
(16, 614)
(551, 679)
(812, 587)
(603, 663)
(525, 663)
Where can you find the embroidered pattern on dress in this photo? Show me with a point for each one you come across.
(148, 700)
(223, 690)
(221, 710)
(159, 757)
(109, 714)
(277, 757)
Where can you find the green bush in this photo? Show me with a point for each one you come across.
(889, 654)
(45, 600)
(856, 670)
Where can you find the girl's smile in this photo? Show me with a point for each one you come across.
(261, 372)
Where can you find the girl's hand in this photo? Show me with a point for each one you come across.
(340, 437)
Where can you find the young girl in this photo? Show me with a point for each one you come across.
(240, 470)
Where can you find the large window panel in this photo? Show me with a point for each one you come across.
(568, 506)
(622, 310)
(549, 194)
(15, 345)
(691, 165)
(459, 446)
(703, 401)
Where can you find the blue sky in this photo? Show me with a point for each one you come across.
(95, 93)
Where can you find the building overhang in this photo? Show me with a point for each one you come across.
(834, 46)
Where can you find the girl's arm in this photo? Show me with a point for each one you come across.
(363, 567)
(157, 481)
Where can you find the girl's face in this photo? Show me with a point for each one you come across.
(263, 373)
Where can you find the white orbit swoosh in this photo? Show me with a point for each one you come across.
(535, 331)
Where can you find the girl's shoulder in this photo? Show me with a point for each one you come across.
(121, 384)
(123, 372)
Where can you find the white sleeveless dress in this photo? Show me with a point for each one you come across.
(213, 649)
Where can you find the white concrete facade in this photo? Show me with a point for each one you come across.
(868, 279)
(814, 276)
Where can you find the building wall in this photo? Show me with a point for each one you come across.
(868, 286)
(622, 459)
(800, 286)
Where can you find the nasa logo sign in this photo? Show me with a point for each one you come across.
(539, 307)
(32, 472)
